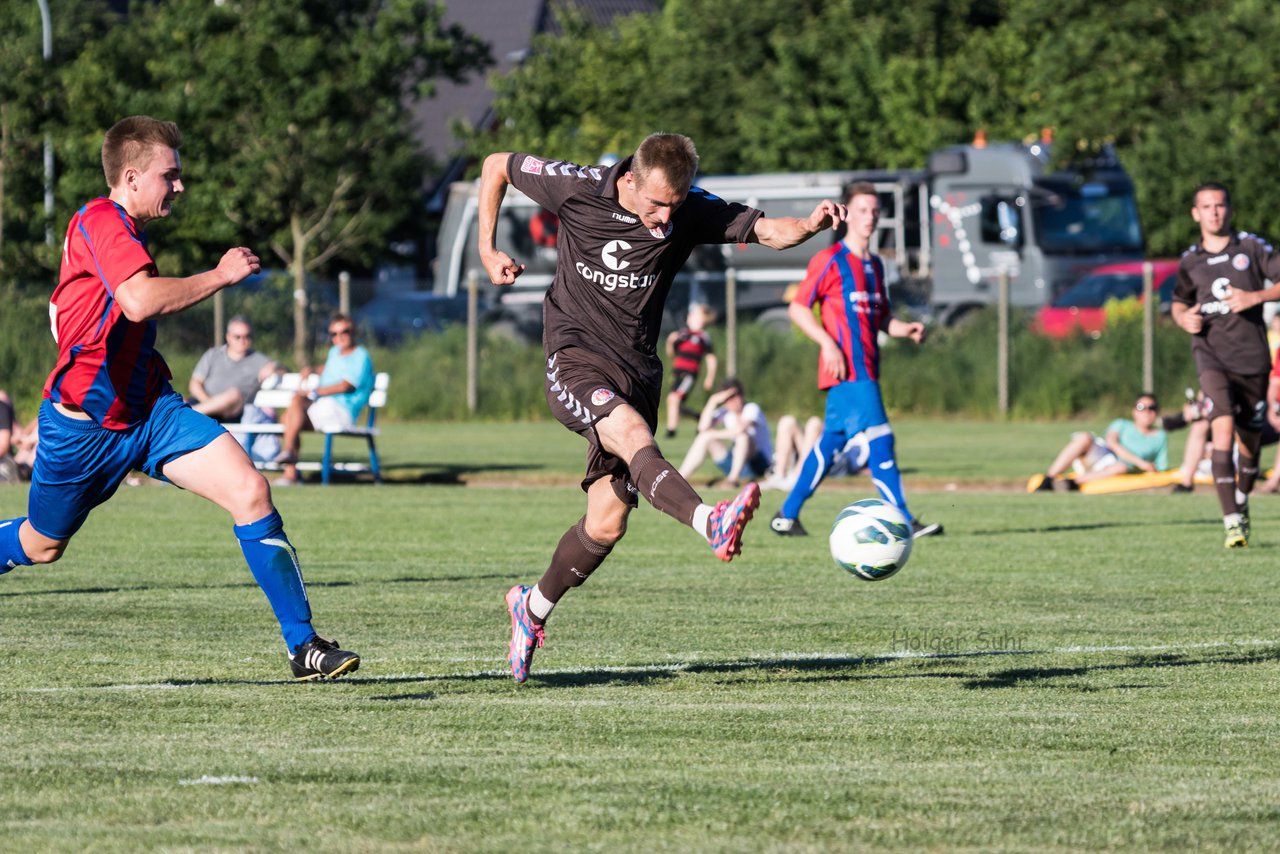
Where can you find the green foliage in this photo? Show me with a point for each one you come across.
(31, 105)
(27, 349)
(954, 373)
(879, 84)
(298, 137)
(296, 114)
(428, 378)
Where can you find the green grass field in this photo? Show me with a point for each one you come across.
(1057, 672)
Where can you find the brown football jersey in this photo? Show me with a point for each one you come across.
(612, 273)
(1228, 342)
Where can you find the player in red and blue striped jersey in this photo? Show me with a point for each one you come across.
(108, 405)
(846, 283)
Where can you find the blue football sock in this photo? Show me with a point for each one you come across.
(812, 472)
(11, 553)
(883, 468)
(274, 564)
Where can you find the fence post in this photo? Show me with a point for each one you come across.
(344, 292)
(218, 325)
(1148, 327)
(1002, 344)
(731, 321)
(473, 339)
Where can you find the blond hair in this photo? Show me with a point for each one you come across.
(671, 153)
(132, 142)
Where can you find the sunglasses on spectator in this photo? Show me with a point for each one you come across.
(334, 333)
(1143, 407)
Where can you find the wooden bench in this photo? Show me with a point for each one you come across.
(277, 393)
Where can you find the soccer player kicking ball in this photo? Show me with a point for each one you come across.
(625, 232)
(847, 282)
(108, 406)
(1222, 284)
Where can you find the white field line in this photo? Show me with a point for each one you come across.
(693, 662)
(206, 780)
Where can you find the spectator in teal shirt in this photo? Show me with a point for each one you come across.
(1129, 445)
(334, 404)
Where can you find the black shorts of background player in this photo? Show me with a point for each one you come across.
(625, 232)
(688, 349)
(1222, 284)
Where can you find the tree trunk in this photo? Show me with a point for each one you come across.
(301, 332)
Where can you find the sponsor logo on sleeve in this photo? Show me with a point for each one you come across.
(532, 165)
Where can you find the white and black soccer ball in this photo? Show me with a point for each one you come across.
(871, 539)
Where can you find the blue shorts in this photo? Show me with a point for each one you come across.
(854, 408)
(80, 464)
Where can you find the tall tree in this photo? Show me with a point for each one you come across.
(1183, 89)
(296, 114)
(30, 107)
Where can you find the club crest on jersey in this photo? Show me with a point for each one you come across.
(1240, 262)
(663, 232)
(601, 396)
(532, 165)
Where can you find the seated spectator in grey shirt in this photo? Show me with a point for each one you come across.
(226, 378)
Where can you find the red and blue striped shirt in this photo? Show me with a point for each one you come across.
(107, 364)
(854, 305)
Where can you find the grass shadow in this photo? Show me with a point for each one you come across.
(826, 668)
(1031, 676)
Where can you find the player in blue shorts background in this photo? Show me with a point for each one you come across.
(846, 281)
(108, 407)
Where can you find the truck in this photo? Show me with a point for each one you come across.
(948, 234)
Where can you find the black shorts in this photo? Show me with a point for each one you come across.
(583, 387)
(682, 383)
(1244, 398)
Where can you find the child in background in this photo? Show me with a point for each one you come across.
(688, 348)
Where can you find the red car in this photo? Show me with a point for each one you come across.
(1082, 306)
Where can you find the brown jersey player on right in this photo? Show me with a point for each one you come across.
(1222, 284)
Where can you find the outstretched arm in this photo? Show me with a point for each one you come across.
(787, 231)
(500, 266)
(145, 297)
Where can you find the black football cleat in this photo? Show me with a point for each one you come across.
(320, 658)
(921, 528)
(785, 527)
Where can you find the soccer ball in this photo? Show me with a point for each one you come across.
(871, 539)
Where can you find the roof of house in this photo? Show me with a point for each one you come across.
(509, 27)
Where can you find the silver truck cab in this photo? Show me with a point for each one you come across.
(996, 209)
